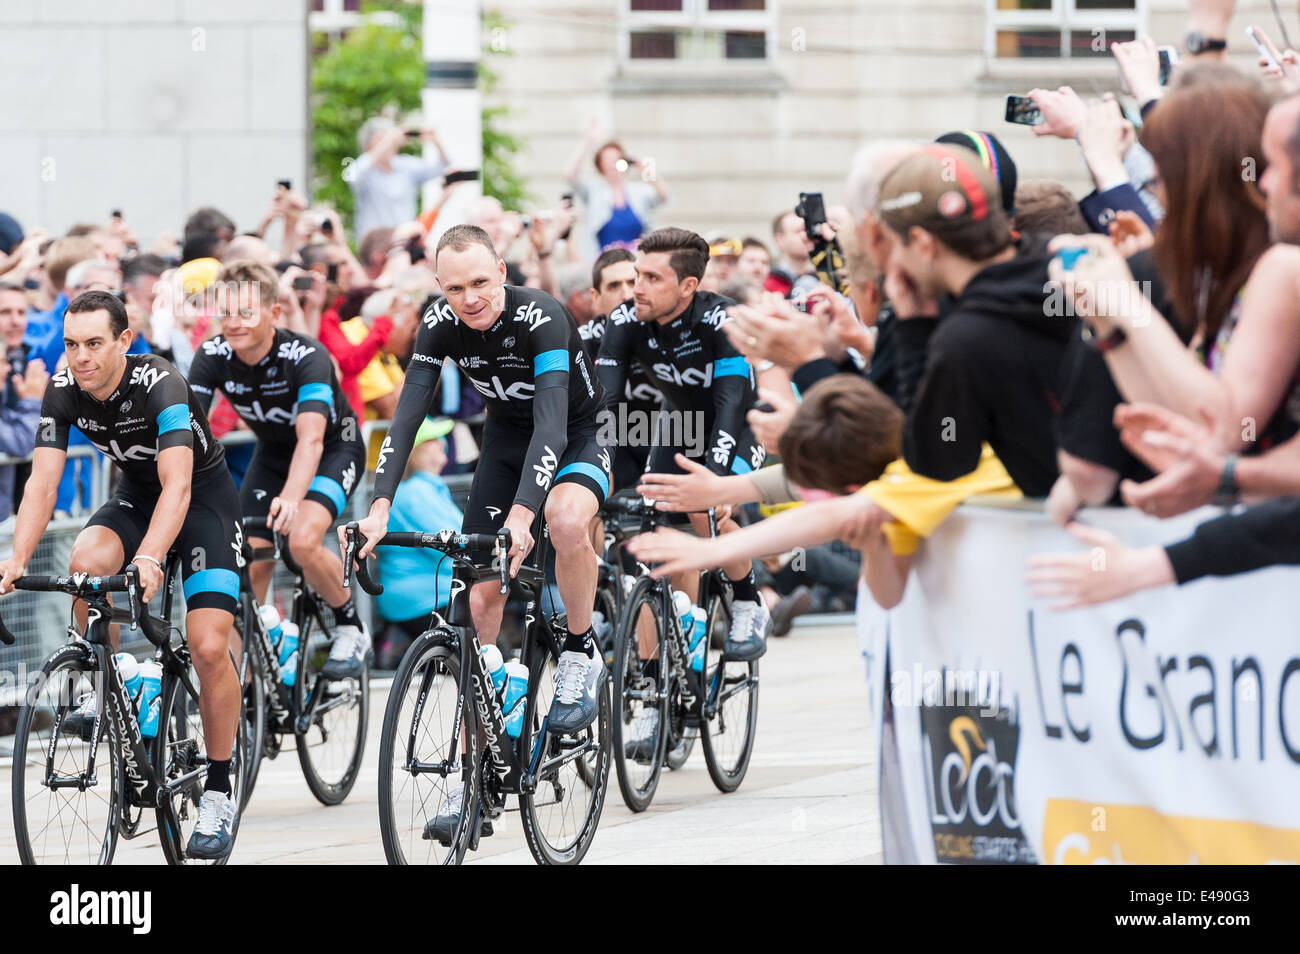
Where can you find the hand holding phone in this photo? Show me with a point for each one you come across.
(1023, 111)
(461, 175)
(1267, 51)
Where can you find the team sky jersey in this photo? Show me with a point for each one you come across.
(639, 392)
(295, 376)
(531, 369)
(152, 409)
(693, 363)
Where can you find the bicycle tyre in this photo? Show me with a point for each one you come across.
(251, 679)
(70, 659)
(727, 761)
(636, 796)
(431, 649)
(327, 791)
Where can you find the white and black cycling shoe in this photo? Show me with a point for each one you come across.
(442, 826)
(640, 746)
(750, 624)
(347, 654)
(577, 693)
(213, 835)
(81, 720)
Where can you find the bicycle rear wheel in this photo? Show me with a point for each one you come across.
(419, 729)
(560, 817)
(179, 750)
(253, 725)
(729, 707)
(333, 744)
(637, 701)
(64, 825)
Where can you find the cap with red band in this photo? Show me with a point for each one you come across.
(944, 190)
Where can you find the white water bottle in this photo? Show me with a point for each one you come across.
(682, 605)
(496, 667)
(130, 670)
(271, 623)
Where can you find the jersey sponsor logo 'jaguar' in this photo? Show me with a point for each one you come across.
(530, 313)
(143, 374)
(294, 351)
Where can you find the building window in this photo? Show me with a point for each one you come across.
(1061, 29)
(698, 30)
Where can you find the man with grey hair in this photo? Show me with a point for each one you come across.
(384, 182)
(572, 288)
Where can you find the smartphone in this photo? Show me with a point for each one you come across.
(464, 175)
(566, 200)
(326, 226)
(1023, 111)
(413, 134)
(1168, 59)
(284, 184)
(116, 214)
(332, 272)
(812, 209)
(764, 408)
(1262, 44)
(302, 283)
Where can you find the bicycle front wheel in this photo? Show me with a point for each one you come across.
(639, 715)
(334, 741)
(65, 823)
(561, 813)
(729, 707)
(428, 757)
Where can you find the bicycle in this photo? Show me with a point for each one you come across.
(327, 719)
(444, 723)
(720, 703)
(108, 777)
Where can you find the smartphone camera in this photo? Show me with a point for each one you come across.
(1023, 111)
(302, 283)
(326, 226)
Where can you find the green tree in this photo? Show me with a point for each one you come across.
(379, 69)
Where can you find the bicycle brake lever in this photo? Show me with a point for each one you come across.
(349, 553)
(503, 546)
(133, 595)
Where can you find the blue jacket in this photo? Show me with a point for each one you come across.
(17, 439)
(422, 503)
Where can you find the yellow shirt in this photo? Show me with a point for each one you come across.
(919, 504)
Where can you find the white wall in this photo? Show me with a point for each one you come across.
(153, 106)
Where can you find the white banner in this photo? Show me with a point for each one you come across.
(1163, 728)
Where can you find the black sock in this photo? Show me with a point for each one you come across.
(218, 777)
(580, 642)
(346, 615)
(745, 589)
(650, 669)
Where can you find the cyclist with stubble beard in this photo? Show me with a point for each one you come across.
(675, 331)
(521, 350)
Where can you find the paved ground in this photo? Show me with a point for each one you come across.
(810, 795)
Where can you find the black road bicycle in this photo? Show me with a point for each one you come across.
(326, 718)
(75, 794)
(720, 703)
(444, 733)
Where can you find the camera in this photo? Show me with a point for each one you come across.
(302, 283)
(812, 209)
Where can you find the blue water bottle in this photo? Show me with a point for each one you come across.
(288, 653)
(697, 643)
(515, 701)
(131, 678)
(150, 701)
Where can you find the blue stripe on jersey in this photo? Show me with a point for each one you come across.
(587, 470)
(555, 360)
(332, 489)
(316, 392)
(740, 466)
(729, 366)
(212, 581)
(174, 418)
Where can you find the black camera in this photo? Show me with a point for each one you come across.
(812, 209)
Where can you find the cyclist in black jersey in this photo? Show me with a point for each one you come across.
(675, 331)
(309, 454)
(520, 349)
(174, 492)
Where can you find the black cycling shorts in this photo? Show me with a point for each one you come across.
(210, 542)
(501, 464)
(337, 475)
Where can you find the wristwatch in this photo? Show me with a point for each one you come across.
(1225, 495)
(1200, 43)
(1101, 345)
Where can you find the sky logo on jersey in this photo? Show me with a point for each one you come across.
(218, 347)
(722, 449)
(519, 391)
(717, 317)
(623, 314)
(274, 415)
(63, 378)
(349, 476)
(385, 449)
(134, 452)
(294, 351)
(143, 374)
(532, 314)
(439, 312)
(690, 378)
(546, 469)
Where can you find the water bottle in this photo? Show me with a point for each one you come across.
(699, 647)
(130, 670)
(271, 623)
(288, 653)
(682, 604)
(515, 701)
(496, 668)
(150, 690)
